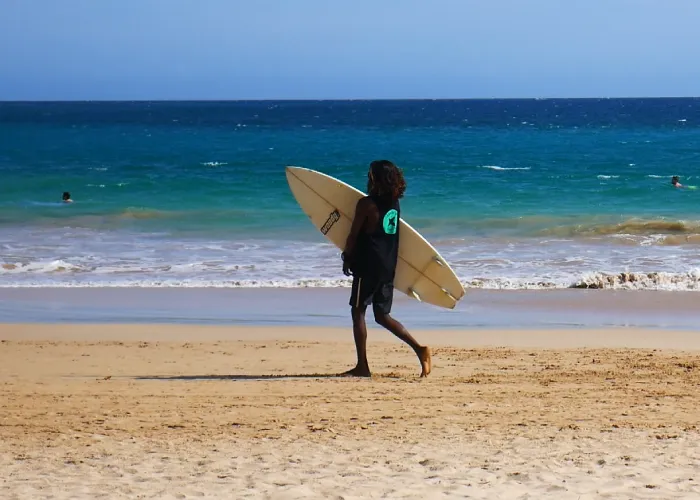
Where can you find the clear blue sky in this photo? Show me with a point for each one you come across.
(317, 49)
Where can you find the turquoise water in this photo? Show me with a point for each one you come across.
(514, 193)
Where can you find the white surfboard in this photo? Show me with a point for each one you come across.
(421, 272)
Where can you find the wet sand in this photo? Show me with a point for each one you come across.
(180, 411)
(328, 307)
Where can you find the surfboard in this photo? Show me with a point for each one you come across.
(421, 272)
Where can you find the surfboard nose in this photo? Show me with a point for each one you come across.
(290, 169)
(289, 172)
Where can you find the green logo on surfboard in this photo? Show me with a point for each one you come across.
(391, 220)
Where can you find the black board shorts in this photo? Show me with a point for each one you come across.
(366, 291)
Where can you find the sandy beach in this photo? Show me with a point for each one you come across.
(181, 411)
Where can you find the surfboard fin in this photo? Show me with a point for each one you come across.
(415, 294)
(448, 294)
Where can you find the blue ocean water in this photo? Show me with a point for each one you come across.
(514, 193)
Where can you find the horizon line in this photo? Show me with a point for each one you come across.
(345, 99)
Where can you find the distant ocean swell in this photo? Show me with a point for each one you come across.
(228, 222)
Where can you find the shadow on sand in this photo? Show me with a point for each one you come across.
(241, 377)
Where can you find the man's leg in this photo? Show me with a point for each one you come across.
(382, 300)
(359, 329)
(423, 352)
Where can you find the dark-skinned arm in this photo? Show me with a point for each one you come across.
(358, 223)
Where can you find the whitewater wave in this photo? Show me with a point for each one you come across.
(496, 167)
(651, 281)
(53, 266)
(689, 281)
(188, 283)
(121, 268)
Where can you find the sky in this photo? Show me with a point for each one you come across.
(347, 49)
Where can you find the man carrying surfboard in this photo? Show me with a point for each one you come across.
(370, 256)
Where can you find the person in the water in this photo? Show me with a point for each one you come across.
(66, 197)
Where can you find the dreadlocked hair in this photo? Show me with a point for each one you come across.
(388, 179)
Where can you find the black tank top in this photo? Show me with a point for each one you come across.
(377, 251)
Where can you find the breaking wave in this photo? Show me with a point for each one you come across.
(54, 266)
(680, 282)
(627, 227)
(689, 281)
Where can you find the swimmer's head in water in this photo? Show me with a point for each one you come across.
(675, 180)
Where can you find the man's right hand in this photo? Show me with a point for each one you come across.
(346, 264)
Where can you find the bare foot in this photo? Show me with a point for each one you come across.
(356, 372)
(426, 361)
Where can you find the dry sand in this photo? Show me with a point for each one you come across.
(153, 411)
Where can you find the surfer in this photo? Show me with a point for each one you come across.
(370, 256)
(66, 197)
(675, 180)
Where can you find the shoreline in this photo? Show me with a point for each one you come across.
(328, 307)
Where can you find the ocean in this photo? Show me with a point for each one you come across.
(515, 194)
